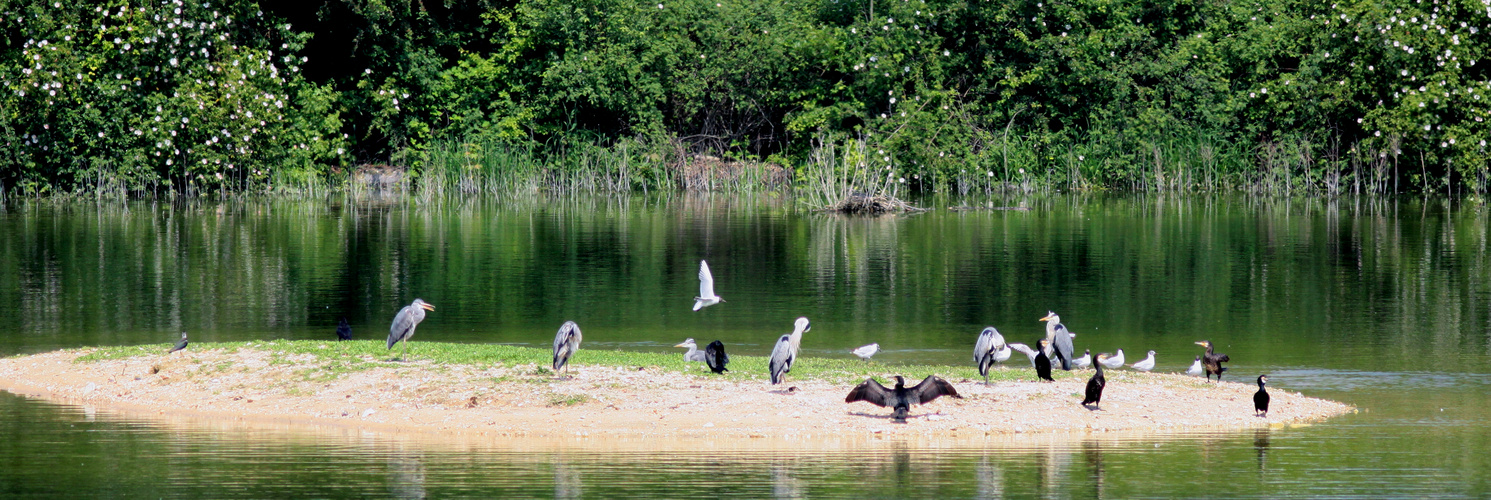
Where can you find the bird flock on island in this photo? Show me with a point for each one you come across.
(1054, 351)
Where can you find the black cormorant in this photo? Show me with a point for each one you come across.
(1043, 363)
(1095, 385)
(1212, 361)
(901, 397)
(1260, 398)
(715, 357)
(344, 331)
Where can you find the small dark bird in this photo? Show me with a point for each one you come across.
(901, 398)
(344, 331)
(715, 357)
(1260, 398)
(1043, 363)
(1096, 384)
(1212, 361)
(179, 345)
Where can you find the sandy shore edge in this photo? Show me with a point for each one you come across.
(622, 404)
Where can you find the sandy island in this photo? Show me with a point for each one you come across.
(617, 402)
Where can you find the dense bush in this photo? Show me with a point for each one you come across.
(1274, 95)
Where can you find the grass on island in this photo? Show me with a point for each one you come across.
(330, 360)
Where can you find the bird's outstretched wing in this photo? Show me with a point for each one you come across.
(706, 280)
(871, 392)
(715, 357)
(931, 388)
(1222, 358)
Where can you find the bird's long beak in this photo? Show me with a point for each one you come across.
(1047, 318)
(427, 306)
(1201, 343)
(681, 345)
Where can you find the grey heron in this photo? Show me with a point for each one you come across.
(1025, 349)
(1114, 361)
(1195, 369)
(901, 397)
(566, 342)
(1260, 398)
(866, 351)
(1060, 339)
(706, 296)
(180, 344)
(1212, 361)
(1043, 363)
(1146, 365)
(404, 323)
(785, 352)
(715, 357)
(1096, 384)
(694, 353)
(344, 331)
(1085, 361)
(986, 350)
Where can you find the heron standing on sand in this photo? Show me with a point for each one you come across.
(566, 343)
(404, 323)
(785, 352)
(706, 296)
(694, 353)
(986, 350)
(1059, 338)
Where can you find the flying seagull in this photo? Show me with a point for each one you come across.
(706, 296)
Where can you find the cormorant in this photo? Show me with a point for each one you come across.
(344, 331)
(1212, 361)
(1260, 398)
(715, 357)
(901, 397)
(1043, 363)
(1095, 385)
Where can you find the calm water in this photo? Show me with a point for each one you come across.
(1385, 304)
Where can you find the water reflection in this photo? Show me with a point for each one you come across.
(567, 484)
(988, 478)
(1260, 446)
(406, 476)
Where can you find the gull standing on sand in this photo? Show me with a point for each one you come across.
(694, 353)
(1146, 365)
(1113, 362)
(986, 350)
(566, 343)
(785, 352)
(1060, 339)
(706, 296)
(404, 323)
(1085, 361)
(1195, 369)
(865, 352)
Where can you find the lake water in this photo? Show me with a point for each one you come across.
(1381, 303)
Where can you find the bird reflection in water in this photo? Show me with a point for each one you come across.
(1092, 450)
(1260, 446)
(988, 478)
(783, 485)
(567, 484)
(406, 477)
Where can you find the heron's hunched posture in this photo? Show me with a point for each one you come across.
(1212, 362)
(180, 344)
(694, 353)
(1060, 339)
(706, 296)
(986, 350)
(566, 342)
(901, 397)
(404, 323)
(715, 357)
(785, 352)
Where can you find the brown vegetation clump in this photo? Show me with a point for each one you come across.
(378, 176)
(861, 203)
(711, 173)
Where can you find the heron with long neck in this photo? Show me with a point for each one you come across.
(404, 323)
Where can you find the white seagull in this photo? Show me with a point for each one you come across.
(1085, 361)
(864, 352)
(1195, 369)
(1146, 365)
(1030, 353)
(1113, 362)
(706, 296)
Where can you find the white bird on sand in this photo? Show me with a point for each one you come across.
(1083, 362)
(706, 296)
(864, 352)
(1113, 362)
(1146, 365)
(1195, 369)
(694, 353)
(1030, 353)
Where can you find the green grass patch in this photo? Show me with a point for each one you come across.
(567, 399)
(332, 359)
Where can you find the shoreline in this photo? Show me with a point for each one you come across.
(464, 401)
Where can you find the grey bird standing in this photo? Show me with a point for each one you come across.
(566, 343)
(986, 350)
(180, 344)
(785, 352)
(1059, 338)
(694, 353)
(404, 324)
